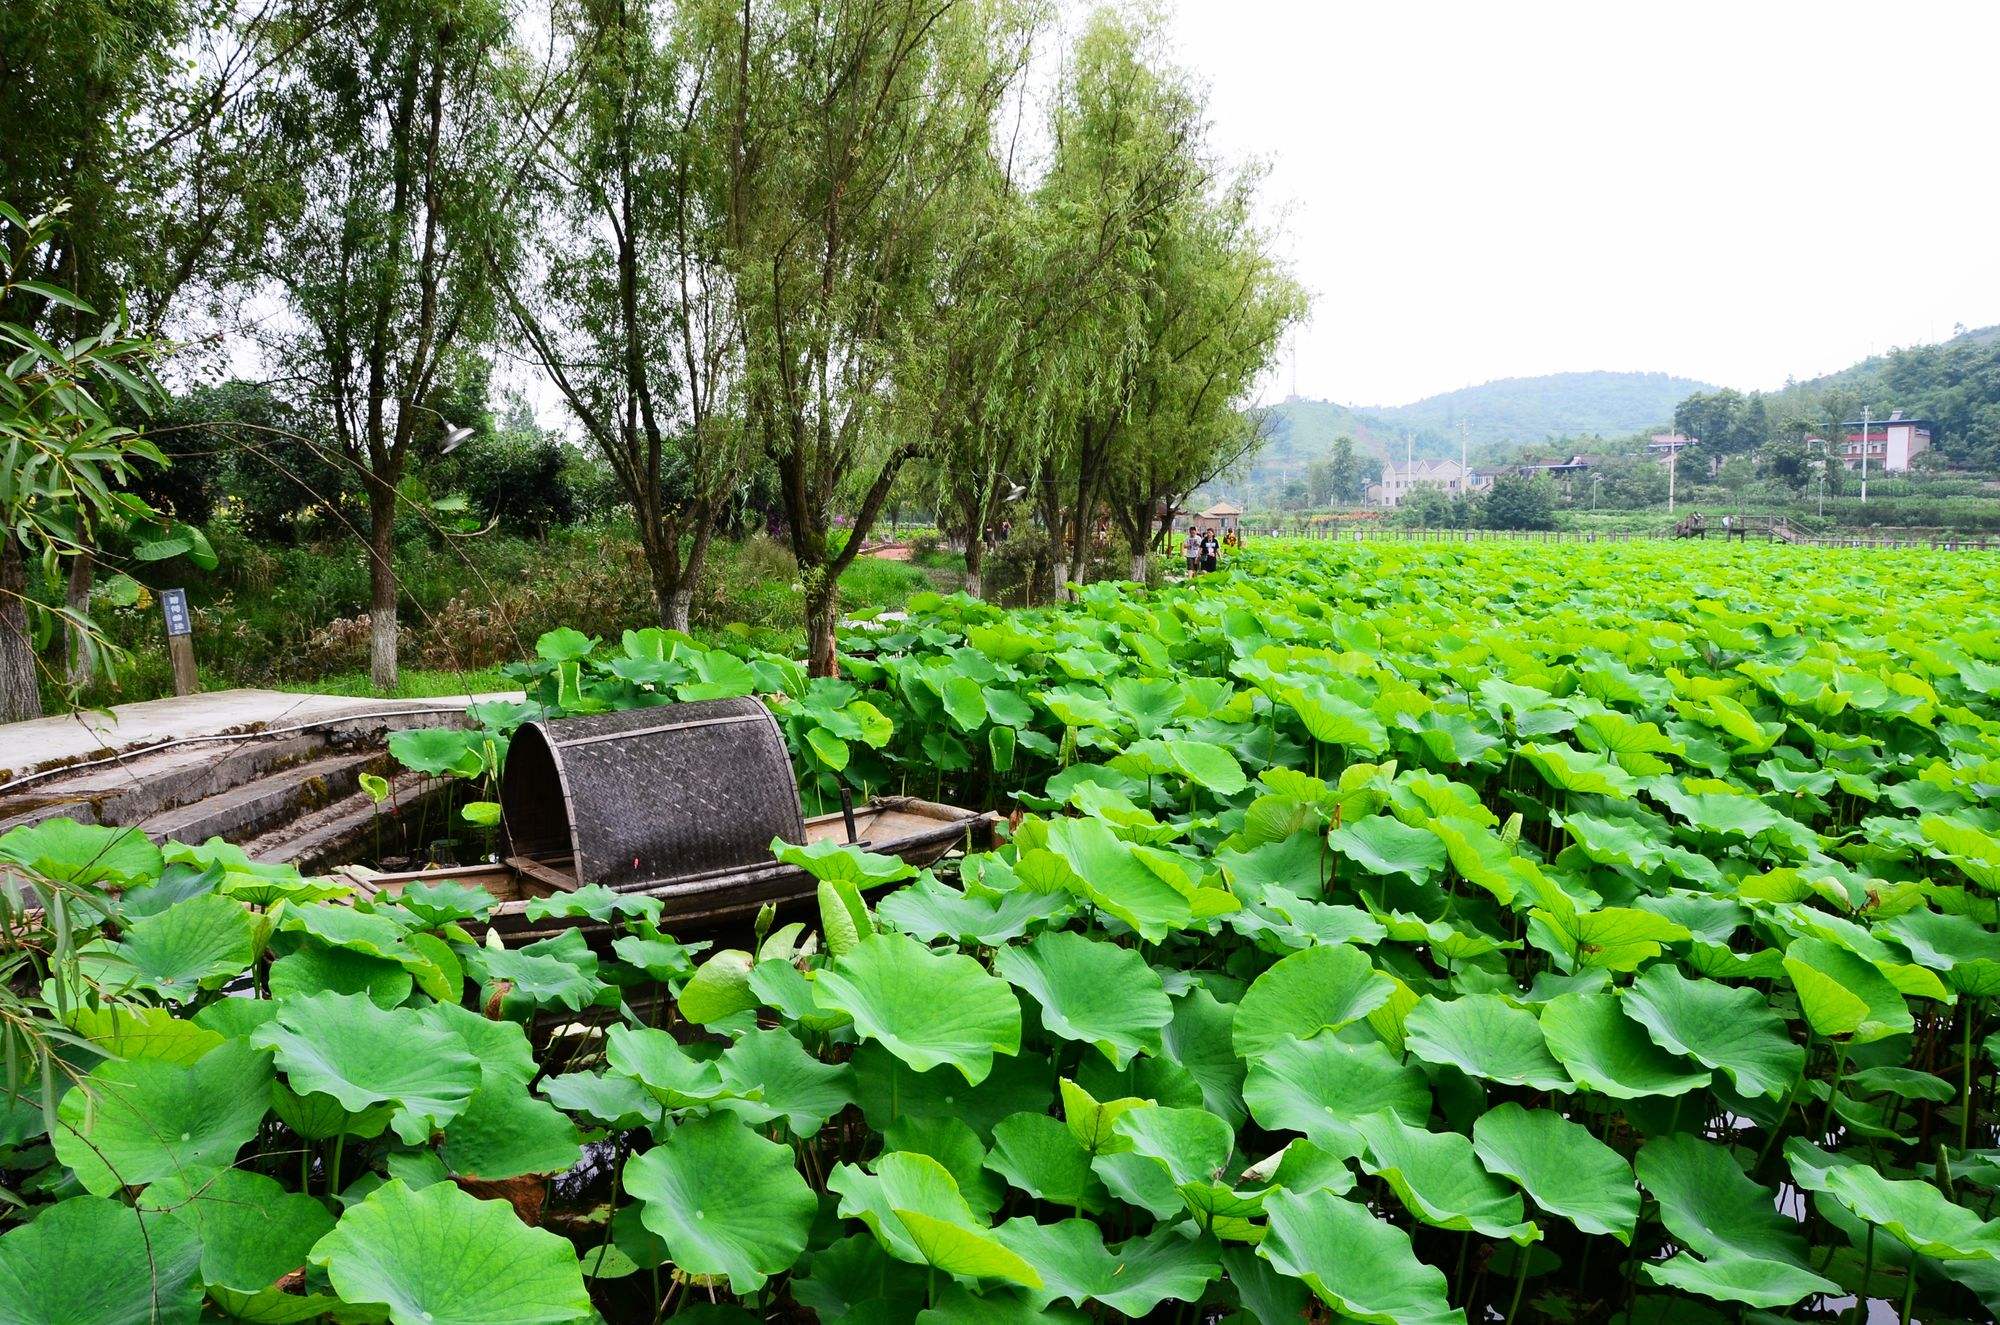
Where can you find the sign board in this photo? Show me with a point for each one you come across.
(174, 603)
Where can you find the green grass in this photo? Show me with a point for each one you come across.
(411, 683)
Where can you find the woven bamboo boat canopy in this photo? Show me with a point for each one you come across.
(679, 791)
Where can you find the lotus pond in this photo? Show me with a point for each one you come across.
(1399, 933)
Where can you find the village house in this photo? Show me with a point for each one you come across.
(1222, 519)
(1445, 475)
(1890, 444)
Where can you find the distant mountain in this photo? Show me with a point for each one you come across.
(1517, 411)
(1502, 418)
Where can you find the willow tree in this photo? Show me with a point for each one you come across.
(626, 306)
(386, 248)
(856, 133)
(1218, 304)
(1126, 157)
(130, 119)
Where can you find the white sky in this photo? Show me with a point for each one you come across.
(1727, 191)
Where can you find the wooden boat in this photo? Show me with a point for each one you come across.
(919, 832)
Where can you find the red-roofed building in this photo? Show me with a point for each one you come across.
(1890, 444)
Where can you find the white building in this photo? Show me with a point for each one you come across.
(1444, 475)
(1890, 444)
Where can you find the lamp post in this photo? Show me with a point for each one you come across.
(1864, 454)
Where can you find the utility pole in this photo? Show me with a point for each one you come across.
(1673, 466)
(1864, 454)
(1409, 464)
(1464, 469)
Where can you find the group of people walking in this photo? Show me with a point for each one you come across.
(1203, 550)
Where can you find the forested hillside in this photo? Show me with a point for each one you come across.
(1500, 417)
(1516, 410)
(1955, 384)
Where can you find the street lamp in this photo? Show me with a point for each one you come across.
(454, 437)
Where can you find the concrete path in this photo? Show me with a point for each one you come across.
(73, 737)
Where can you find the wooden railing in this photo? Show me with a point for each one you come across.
(1384, 533)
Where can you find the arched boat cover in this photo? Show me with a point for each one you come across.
(653, 794)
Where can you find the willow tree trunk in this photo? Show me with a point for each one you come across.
(1140, 566)
(20, 693)
(382, 625)
(82, 573)
(822, 601)
(975, 561)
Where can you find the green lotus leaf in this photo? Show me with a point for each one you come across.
(1481, 857)
(794, 1085)
(952, 1143)
(1966, 951)
(594, 902)
(1321, 1087)
(132, 1121)
(1484, 1036)
(1108, 873)
(959, 1305)
(504, 1132)
(1090, 991)
(1335, 721)
(1438, 1179)
(660, 959)
(719, 988)
(253, 1232)
(1207, 765)
(1383, 844)
(1094, 1124)
(1975, 850)
(1170, 1155)
(1732, 1030)
(1917, 1213)
(1318, 989)
(1363, 1268)
(1042, 1157)
(191, 946)
(1748, 1279)
(855, 1280)
(1578, 773)
(441, 1257)
(90, 1261)
(78, 853)
(925, 1008)
(548, 971)
(1132, 1278)
(657, 1061)
(837, 862)
(1563, 1168)
(320, 1117)
(1148, 703)
(887, 1089)
(446, 902)
(1606, 1051)
(438, 751)
(913, 1207)
(928, 911)
(610, 1099)
(1845, 995)
(344, 1046)
(1615, 938)
(1201, 1039)
(314, 969)
(726, 1200)
(1731, 1223)
(121, 1030)
(781, 985)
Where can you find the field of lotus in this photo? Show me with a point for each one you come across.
(1397, 933)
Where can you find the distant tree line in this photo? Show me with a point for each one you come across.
(1956, 385)
(811, 247)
